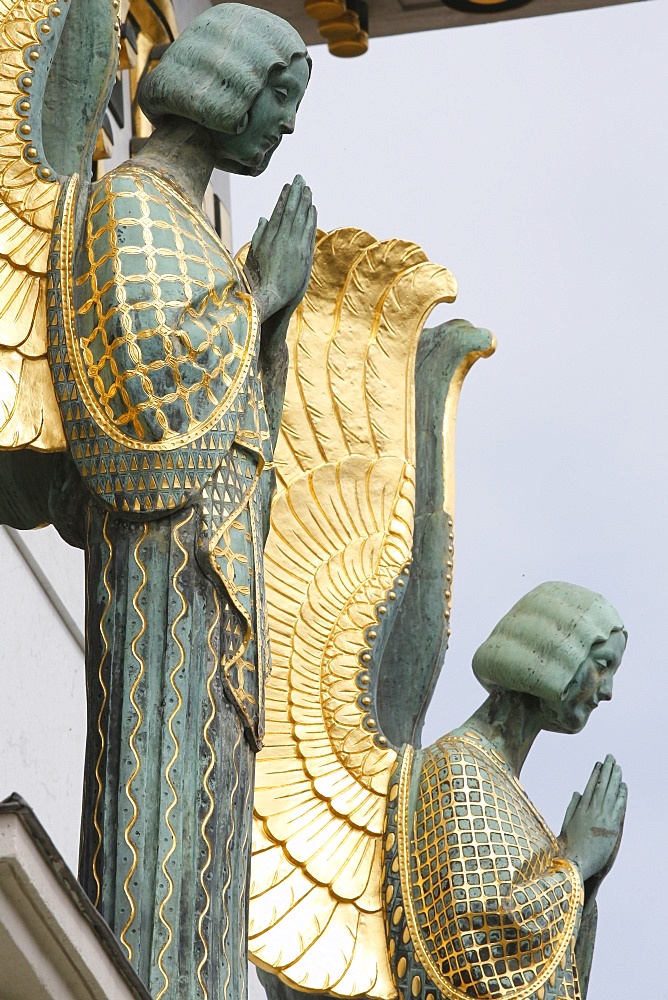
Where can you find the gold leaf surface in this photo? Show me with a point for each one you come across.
(341, 532)
(29, 415)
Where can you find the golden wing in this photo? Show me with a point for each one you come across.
(65, 119)
(29, 195)
(335, 569)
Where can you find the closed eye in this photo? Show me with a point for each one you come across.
(602, 663)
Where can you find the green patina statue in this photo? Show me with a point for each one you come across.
(381, 869)
(168, 362)
(504, 908)
(479, 898)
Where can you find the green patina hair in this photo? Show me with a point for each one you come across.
(539, 645)
(218, 65)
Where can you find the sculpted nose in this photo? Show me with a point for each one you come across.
(288, 126)
(605, 690)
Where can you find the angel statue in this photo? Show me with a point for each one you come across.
(142, 376)
(380, 869)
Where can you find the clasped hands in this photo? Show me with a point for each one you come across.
(592, 828)
(278, 265)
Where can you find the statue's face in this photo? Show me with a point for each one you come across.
(270, 117)
(591, 684)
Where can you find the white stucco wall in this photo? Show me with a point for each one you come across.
(42, 690)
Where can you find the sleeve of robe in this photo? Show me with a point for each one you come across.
(492, 907)
(162, 346)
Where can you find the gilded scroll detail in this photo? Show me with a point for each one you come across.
(204, 938)
(133, 739)
(176, 700)
(103, 708)
(228, 868)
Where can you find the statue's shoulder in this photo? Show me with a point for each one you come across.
(159, 342)
(134, 208)
(459, 764)
(134, 185)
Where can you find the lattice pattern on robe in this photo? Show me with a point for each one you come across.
(148, 405)
(479, 902)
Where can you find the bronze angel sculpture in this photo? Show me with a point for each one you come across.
(380, 869)
(141, 381)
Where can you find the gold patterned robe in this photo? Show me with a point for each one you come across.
(154, 356)
(478, 901)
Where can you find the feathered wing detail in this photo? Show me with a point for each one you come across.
(28, 204)
(30, 191)
(335, 562)
(323, 775)
(352, 351)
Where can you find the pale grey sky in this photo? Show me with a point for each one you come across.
(531, 158)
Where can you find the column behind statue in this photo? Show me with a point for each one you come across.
(142, 384)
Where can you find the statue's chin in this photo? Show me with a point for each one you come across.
(568, 724)
(252, 168)
(566, 729)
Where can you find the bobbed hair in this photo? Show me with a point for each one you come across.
(214, 70)
(539, 645)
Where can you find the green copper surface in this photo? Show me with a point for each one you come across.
(163, 353)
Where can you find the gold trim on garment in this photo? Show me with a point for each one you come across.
(422, 955)
(75, 352)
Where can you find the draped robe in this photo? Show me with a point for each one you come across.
(478, 901)
(154, 357)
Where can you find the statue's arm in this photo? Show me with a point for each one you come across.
(280, 257)
(274, 361)
(278, 268)
(591, 835)
(584, 945)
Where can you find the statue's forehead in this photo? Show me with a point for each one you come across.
(295, 74)
(614, 645)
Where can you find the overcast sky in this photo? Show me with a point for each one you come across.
(531, 158)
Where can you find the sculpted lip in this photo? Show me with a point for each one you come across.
(269, 146)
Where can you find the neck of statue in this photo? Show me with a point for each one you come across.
(182, 149)
(510, 721)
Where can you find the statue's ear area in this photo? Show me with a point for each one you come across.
(242, 124)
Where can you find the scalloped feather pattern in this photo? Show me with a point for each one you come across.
(321, 785)
(341, 533)
(352, 348)
(29, 415)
